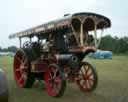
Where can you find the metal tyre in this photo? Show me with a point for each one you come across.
(22, 74)
(54, 81)
(87, 77)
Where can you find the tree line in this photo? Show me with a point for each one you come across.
(115, 44)
(9, 49)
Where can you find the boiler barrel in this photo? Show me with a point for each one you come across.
(68, 59)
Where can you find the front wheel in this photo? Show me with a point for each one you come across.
(87, 77)
(55, 82)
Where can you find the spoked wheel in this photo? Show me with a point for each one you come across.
(23, 77)
(54, 81)
(87, 77)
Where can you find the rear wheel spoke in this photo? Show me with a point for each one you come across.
(20, 79)
(24, 67)
(18, 58)
(23, 59)
(18, 70)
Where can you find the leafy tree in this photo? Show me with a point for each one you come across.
(9, 49)
(114, 44)
(12, 48)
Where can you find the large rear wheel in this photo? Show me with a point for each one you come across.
(87, 77)
(54, 81)
(22, 74)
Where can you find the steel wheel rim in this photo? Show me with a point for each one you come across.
(20, 68)
(86, 78)
(53, 81)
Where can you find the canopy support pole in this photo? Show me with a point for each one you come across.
(100, 38)
(30, 39)
(20, 41)
(95, 33)
(81, 35)
(75, 35)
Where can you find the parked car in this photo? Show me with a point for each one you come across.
(7, 54)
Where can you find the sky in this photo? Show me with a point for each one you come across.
(18, 15)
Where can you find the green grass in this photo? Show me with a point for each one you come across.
(112, 85)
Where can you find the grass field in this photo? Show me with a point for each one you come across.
(112, 85)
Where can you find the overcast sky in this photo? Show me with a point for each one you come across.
(18, 15)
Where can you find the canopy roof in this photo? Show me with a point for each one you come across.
(64, 23)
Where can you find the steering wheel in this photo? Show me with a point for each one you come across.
(27, 44)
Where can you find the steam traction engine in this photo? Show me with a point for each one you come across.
(57, 53)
